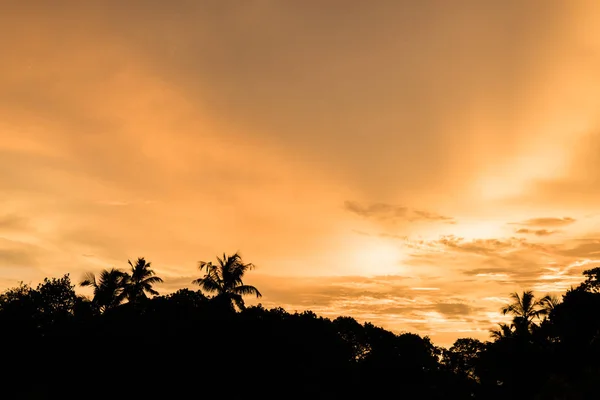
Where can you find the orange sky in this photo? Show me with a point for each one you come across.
(408, 163)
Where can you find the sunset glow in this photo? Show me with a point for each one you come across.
(373, 159)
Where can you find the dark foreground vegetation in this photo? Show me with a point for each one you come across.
(129, 342)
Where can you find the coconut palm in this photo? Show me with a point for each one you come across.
(109, 288)
(503, 331)
(224, 279)
(524, 308)
(139, 281)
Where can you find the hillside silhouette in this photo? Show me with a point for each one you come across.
(128, 341)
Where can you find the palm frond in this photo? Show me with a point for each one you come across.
(510, 309)
(247, 289)
(205, 265)
(239, 301)
(208, 285)
(549, 302)
(503, 332)
(152, 280)
(89, 279)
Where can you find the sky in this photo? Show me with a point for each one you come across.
(405, 163)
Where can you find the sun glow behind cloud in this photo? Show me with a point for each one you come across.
(372, 256)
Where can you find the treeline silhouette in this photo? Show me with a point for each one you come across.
(128, 341)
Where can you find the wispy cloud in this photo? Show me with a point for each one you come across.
(549, 222)
(515, 262)
(431, 216)
(537, 232)
(377, 210)
(383, 211)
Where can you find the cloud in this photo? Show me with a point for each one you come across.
(537, 232)
(454, 309)
(430, 216)
(491, 246)
(383, 211)
(377, 210)
(508, 262)
(546, 222)
(13, 222)
(267, 87)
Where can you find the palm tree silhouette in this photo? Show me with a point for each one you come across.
(225, 279)
(548, 303)
(109, 288)
(140, 281)
(525, 308)
(503, 331)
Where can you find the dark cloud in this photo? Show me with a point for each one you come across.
(537, 232)
(453, 309)
(552, 221)
(383, 211)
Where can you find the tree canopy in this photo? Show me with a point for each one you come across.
(135, 342)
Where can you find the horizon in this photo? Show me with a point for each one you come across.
(408, 164)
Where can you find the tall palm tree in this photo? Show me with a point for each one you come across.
(140, 281)
(225, 279)
(109, 288)
(524, 308)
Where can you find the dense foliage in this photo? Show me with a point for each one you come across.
(128, 341)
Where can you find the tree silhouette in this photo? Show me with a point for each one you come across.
(503, 331)
(353, 334)
(225, 280)
(592, 280)
(524, 308)
(549, 358)
(140, 281)
(462, 357)
(109, 288)
(548, 304)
